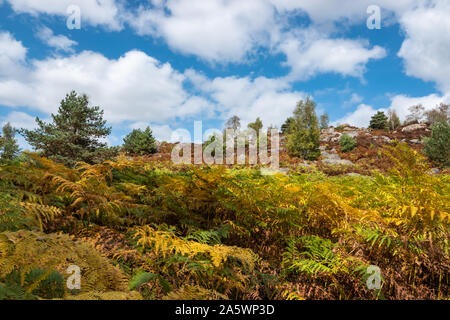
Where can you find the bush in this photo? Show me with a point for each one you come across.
(140, 142)
(437, 146)
(347, 143)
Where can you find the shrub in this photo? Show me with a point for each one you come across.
(140, 142)
(347, 143)
(437, 146)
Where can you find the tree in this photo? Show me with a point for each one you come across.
(304, 133)
(415, 113)
(440, 113)
(286, 125)
(233, 123)
(9, 148)
(378, 121)
(393, 120)
(257, 125)
(140, 142)
(437, 146)
(324, 121)
(74, 135)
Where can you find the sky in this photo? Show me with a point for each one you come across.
(168, 63)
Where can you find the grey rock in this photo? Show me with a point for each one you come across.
(413, 127)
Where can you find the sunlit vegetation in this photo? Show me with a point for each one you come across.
(141, 230)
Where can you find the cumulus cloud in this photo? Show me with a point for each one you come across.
(216, 30)
(12, 55)
(426, 48)
(133, 87)
(273, 100)
(59, 42)
(308, 57)
(400, 103)
(105, 13)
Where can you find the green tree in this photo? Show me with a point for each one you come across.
(9, 148)
(379, 121)
(347, 143)
(304, 133)
(437, 146)
(257, 125)
(140, 142)
(74, 135)
(286, 125)
(324, 121)
(393, 120)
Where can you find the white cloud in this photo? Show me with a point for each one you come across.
(426, 47)
(96, 13)
(160, 132)
(215, 30)
(400, 103)
(19, 120)
(134, 87)
(59, 42)
(308, 57)
(12, 55)
(359, 118)
(273, 100)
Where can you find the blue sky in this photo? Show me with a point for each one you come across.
(167, 63)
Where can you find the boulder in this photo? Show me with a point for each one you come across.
(413, 127)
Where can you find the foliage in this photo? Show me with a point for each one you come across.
(304, 133)
(74, 135)
(437, 146)
(324, 121)
(393, 120)
(140, 142)
(379, 121)
(201, 232)
(9, 149)
(439, 114)
(347, 143)
(233, 123)
(416, 113)
(285, 127)
(257, 125)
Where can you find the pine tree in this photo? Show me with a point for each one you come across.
(140, 142)
(74, 135)
(304, 134)
(9, 149)
(379, 121)
(286, 125)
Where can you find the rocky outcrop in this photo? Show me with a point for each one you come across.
(333, 159)
(414, 127)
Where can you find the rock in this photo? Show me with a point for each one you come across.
(333, 158)
(413, 127)
(336, 161)
(322, 148)
(416, 141)
(352, 133)
(386, 139)
(435, 170)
